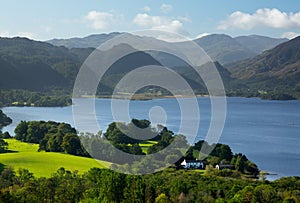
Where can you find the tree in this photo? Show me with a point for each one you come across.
(23, 176)
(264, 193)
(4, 119)
(136, 149)
(71, 144)
(223, 152)
(21, 131)
(7, 177)
(134, 190)
(3, 145)
(162, 198)
(6, 135)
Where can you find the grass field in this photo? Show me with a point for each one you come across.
(145, 146)
(25, 155)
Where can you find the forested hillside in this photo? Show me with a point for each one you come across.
(32, 72)
(274, 71)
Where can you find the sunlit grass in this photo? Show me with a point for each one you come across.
(25, 155)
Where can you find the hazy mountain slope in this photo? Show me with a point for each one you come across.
(219, 47)
(278, 68)
(258, 44)
(224, 48)
(33, 65)
(85, 42)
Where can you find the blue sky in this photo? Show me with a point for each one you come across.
(47, 19)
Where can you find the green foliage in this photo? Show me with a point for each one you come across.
(51, 136)
(102, 185)
(5, 135)
(4, 119)
(3, 145)
(162, 198)
(19, 97)
(278, 96)
(134, 132)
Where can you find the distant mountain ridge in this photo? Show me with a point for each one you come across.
(259, 44)
(91, 41)
(220, 47)
(226, 49)
(40, 66)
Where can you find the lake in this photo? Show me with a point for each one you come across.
(267, 132)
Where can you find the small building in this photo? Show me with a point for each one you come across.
(192, 164)
(224, 166)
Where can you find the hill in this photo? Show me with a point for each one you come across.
(220, 47)
(278, 68)
(36, 66)
(259, 44)
(42, 67)
(44, 164)
(85, 42)
(226, 49)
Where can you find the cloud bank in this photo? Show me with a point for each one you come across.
(271, 18)
(160, 23)
(100, 20)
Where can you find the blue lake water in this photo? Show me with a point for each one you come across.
(268, 132)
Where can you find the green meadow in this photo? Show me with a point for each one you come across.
(43, 164)
(145, 145)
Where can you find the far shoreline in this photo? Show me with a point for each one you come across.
(141, 96)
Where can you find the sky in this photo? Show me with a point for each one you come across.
(48, 19)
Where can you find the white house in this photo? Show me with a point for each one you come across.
(192, 164)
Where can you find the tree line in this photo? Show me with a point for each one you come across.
(27, 98)
(51, 136)
(61, 137)
(170, 185)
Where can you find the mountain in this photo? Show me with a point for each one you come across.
(220, 47)
(40, 66)
(224, 48)
(275, 69)
(32, 65)
(85, 42)
(259, 44)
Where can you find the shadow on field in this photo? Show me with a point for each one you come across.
(8, 151)
(1, 167)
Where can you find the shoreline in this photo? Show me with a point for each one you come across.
(142, 96)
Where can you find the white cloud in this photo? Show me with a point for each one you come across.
(202, 35)
(290, 35)
(19, 34)
(272, 18)
(4, 33)
(100, 20)
(146, 9)
(26, 34)
(166, 8)
(160, 23)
